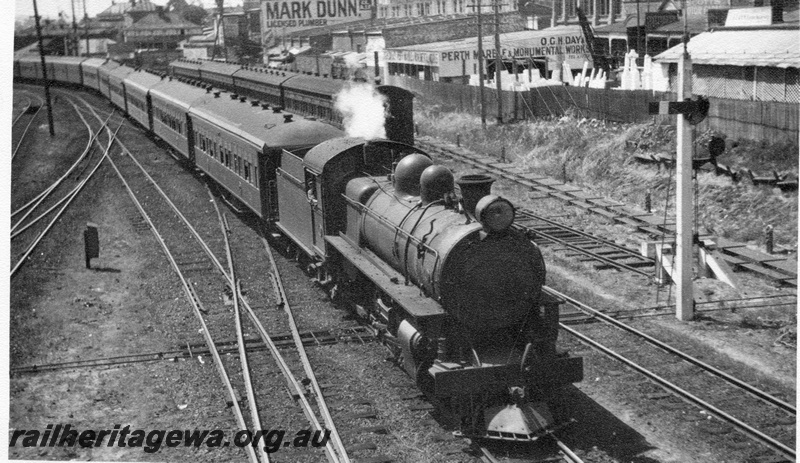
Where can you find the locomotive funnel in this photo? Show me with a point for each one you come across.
(399, 123)
(473, 188)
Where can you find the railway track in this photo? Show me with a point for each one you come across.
(606, 254)
(27, 232)
(22, 123)
(308, 394)
(556, 451)
(317, 338)
(777, 269)
(770, 418)
(25, 105)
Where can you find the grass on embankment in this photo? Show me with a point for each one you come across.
(593, 155)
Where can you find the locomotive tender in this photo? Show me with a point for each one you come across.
(451, 286)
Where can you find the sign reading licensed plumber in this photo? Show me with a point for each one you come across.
(302, 14)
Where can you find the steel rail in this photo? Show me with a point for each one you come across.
(251, 395)
(292, 381)
(548, 190)
(16, 233)
(758, 393)
(755, 434)
(22, 113)
(574, 247)
(25, 132)
(312, 338)
(610, 244)
(568, 453)
(323, 407)
(42, 195)
(50, 225)
(294, 384)
(549, 236)
(195, 306)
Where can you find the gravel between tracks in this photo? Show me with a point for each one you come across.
(131, 303)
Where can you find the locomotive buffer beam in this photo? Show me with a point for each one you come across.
(452, 379)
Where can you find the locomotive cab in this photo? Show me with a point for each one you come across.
(314, 182)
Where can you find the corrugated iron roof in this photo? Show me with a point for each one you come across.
(761, 47)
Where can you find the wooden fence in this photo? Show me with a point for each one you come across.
(755, 120)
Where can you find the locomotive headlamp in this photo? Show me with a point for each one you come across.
(494, 213)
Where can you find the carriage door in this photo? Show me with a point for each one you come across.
(314, 195)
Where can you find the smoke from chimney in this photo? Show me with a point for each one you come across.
(363, 110)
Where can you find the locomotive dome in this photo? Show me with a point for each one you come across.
(435, 182)
(407, 174)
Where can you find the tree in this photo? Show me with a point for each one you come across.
(191, 13)
(195, 14)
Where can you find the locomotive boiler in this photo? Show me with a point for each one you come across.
(457, 292)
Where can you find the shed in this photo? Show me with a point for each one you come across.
(743, 63)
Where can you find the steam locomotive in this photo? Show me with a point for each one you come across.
(438, 269)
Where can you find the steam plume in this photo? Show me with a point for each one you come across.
(363, 110)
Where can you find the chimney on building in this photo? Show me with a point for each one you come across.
(777, 11)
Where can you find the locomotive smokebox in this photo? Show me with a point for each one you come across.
(399, 122)
(473, 188)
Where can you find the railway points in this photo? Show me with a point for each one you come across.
(192, 258)
(773, 267)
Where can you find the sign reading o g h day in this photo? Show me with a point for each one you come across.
(453, 59)
(291, 15)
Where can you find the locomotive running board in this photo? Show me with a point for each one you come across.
(423, 309)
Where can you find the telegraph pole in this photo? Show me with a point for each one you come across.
(86, 26)
(480, 65)
(44, 70)
(684, 303)
(74, 30)
(498, 61)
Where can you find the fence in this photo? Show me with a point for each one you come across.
(756, 120)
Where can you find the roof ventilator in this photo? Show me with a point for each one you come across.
(287, 118)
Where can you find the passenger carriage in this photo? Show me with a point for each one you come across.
(116, 90)
(170, 102)
(186, 68)
(218, 74)
(29, 67)
(90, 71)
(238, 144)
(264, 84)
(137, 86)
(65, 69)
(104, 72)
(313, 96)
